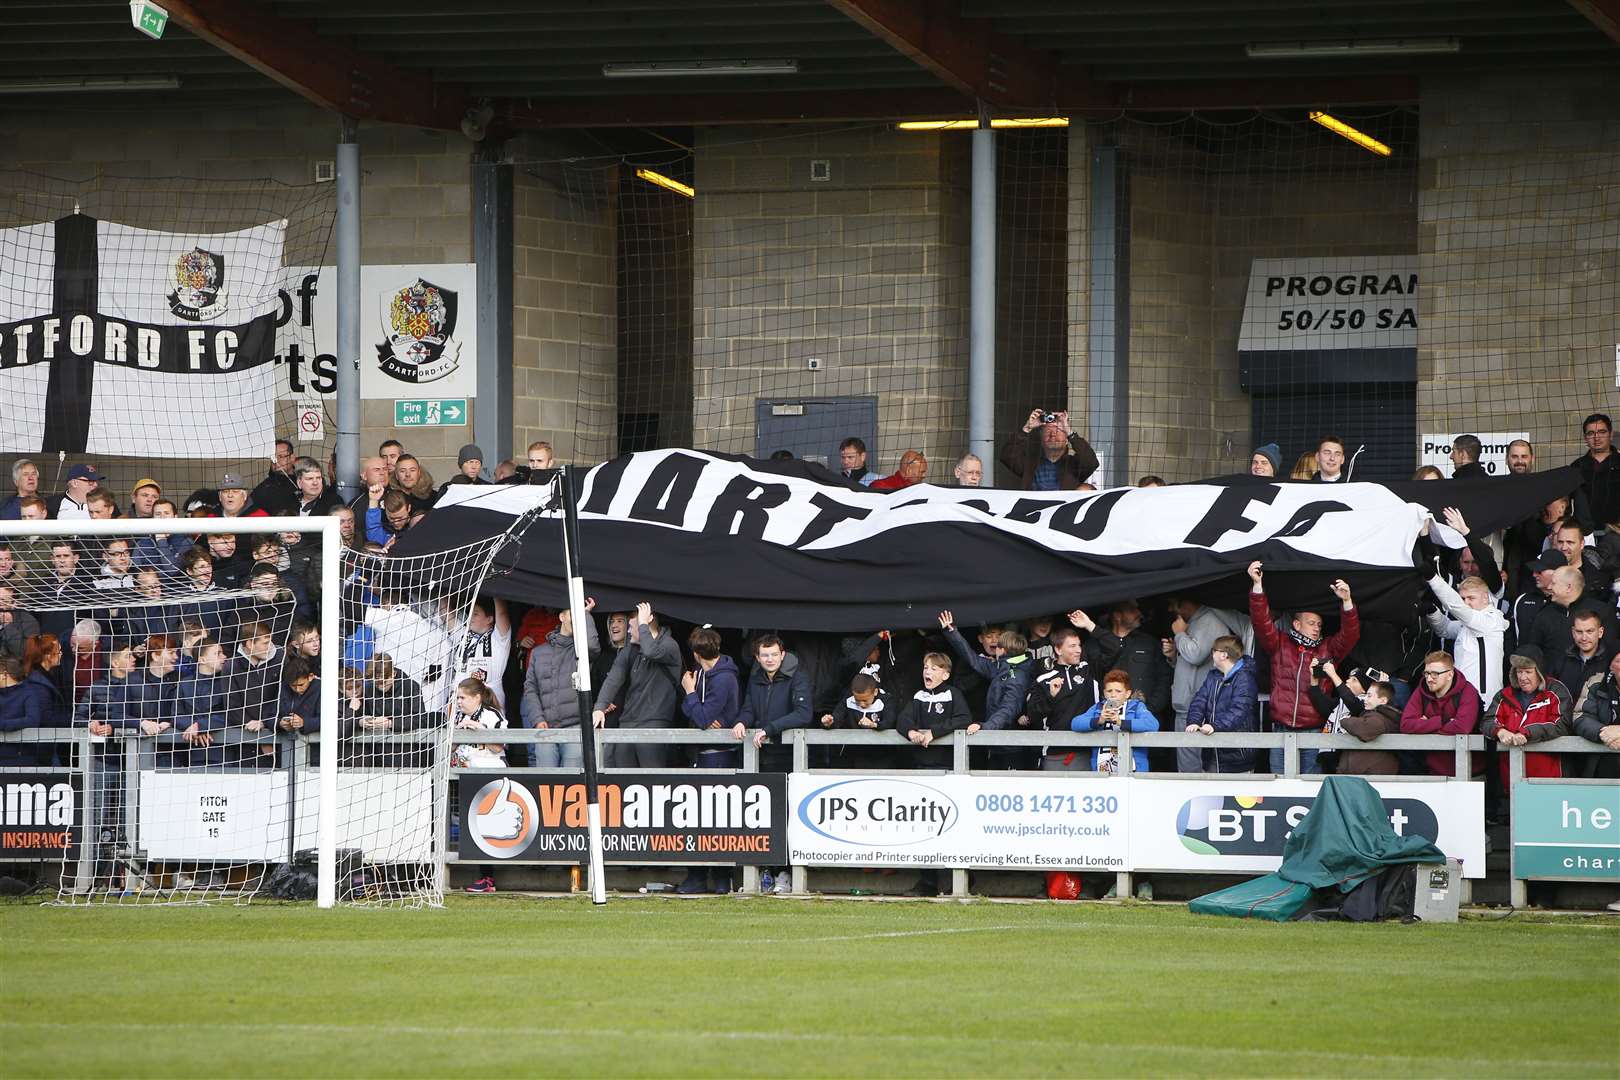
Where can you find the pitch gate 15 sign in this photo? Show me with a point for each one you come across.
(646, 818)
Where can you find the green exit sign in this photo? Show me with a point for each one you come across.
(148, 18)
(430, 412)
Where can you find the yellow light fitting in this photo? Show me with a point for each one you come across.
(969, 125)
(1344, 130)
(667, 182)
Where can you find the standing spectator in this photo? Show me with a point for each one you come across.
(391, 450)
(1059, 695)
(1329, 460)
(712, 697)
(202, 699)
(143, 497)
(20, 710)
(1587, 655)
(81, 481)
(1474, 628)
(1228, 700)
(1266, 460)
(34, 552)
(1597, 708)
(1368, 716)
(1117, 711)
(1528, 604)
(233, 497)
(969, 471)
(1123, 644)
(540, 456)
(1194, 632)
(117, 566)
(852, 462)
(470, 463)
(1551, 631)
(416, 483)
(647, 672)
(65, 584)
(1444, 703)
(1055, 460)
(161, 551)
(396, 517)
(1006, 675)
(101, 504)
(1521, 457)
(1531, 708)
(913, 470)
(300, 705)
(487, 647)
(313, 499)
(277, 493)
(1295, 654)
(16, 625)
(231, 564)
(1570, 539)
(1600, 478)
(935, 711)
(777, 697)
(368, 505)
(1304, 467)
(1465, 451)
(12, 572)
(25, 478)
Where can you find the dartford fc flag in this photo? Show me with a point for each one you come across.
(116, 340)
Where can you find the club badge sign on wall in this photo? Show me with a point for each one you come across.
(418, 324)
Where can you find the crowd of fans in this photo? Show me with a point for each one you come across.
(1519, 641)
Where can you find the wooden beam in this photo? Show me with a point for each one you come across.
(1603, 14)
(738, 108)
(354, 84)
(968, 54)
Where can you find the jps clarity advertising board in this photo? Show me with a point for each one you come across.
(980, 822)
(1239, 826)
(39, 816)
(1566, 830)
(646, 818)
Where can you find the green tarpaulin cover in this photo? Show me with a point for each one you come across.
(1344, 839)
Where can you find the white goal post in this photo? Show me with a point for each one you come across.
(331, 568)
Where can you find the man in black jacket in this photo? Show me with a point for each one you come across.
(1599, 502)
(1124, 644)
(1552, 630)
(1058, 696)
(277, 493)
(1055, 460)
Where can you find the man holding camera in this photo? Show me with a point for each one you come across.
(1056, 459)
(1296, 662)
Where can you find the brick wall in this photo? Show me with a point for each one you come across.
(1519, 205)
(564, 312)
(867, 271)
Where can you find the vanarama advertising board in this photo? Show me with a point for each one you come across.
(646, 818)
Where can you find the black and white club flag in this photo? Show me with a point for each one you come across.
(711, 538)
(117, 340)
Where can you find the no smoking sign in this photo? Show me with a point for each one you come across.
(311, 422)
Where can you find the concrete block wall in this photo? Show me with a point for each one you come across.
(1519, 289)
(564, 312)
(866, 271)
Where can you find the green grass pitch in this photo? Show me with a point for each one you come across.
(513, 986)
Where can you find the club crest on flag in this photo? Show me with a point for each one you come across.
(419, 322)
(199, 280)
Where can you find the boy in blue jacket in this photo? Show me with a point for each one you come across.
(1117, 711)
(1007, 676)
(1229, 700)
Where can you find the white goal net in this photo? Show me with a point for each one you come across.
(234, 708)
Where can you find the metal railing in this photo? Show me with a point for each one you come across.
(140, 751)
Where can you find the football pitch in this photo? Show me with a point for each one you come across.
(511, 986)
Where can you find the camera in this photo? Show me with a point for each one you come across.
(1317, 673)
(1048, 417)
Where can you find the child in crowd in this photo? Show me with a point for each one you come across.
(934, 712)
(477, 710)
(1117, 711)
(712, 697)
(300, 697)
(865, 709)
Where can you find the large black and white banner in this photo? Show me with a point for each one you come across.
(117, 340)
(712, 538)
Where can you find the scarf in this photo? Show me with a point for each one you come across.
(478, 645)
(1306, 643)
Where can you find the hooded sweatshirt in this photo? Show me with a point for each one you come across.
(1455, 712)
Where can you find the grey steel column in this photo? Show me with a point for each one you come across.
(348, 312)
(1109, 395)
(982, 302)
(492, 255)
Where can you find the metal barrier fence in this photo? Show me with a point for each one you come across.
(140, 752)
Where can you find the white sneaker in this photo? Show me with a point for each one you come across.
(783, 886)
(1615, 906)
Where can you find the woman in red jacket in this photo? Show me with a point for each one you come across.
(1532, 708)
